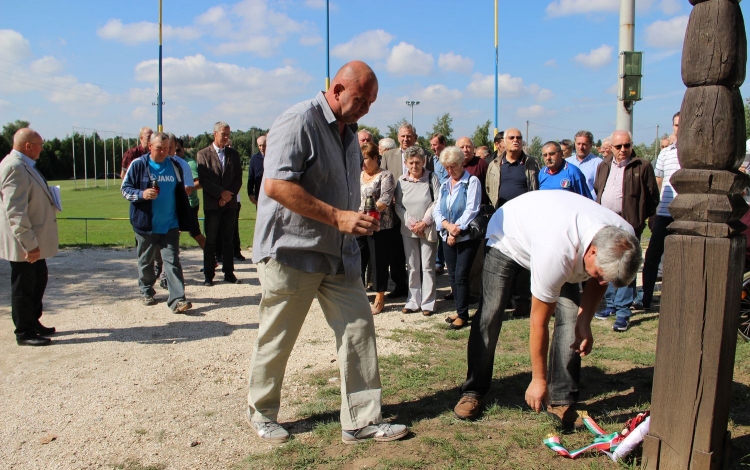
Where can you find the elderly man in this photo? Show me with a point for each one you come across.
(365, 136)
(159, 210)
(305, 248)
(567, 148)
(28, 235)
(393, 160)
(605, 150)
(499, 143)
(144, 136)
(667, 164)
(625, 184)
(473, 164)
(576, 241)
(255, 174)
(559, 174)
(220, 174)
(385, 144)
(586, 161)
(483, 152)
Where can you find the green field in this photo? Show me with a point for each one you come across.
(100, 202)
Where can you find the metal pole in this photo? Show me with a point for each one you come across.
(497, 97)
(85, 162)
(658, 143)
(527, 132)
(106, 181)
(75, 181)
(114, 167)
(95, 183)
(627, 43)
(328, 63)
(159, 97)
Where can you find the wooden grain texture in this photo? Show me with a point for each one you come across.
(706, 229)
(712, 128)
(695, 351)
(714, 208)
(715, 47)
(709, 181)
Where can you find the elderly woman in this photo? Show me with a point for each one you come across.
(456, 206)
(379, 184)
(415, 196)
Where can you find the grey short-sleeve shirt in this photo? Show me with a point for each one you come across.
(304, 146)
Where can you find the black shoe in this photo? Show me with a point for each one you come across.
(208, 282)
(439, 271)
(448, 296)
(232, 279)
(396, 293)
(239, 258)
(219, 259)
(163, 283)
(32, 339)
(42, 330)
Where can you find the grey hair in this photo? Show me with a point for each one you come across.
(414, 151)
(586, 134)
(386, 143)
(160, 136)
(144, 129)
(557, 146)
(171, 136)
(607, 140)
(219, 126)
(406, 125)
(618, 255)
(451, 156)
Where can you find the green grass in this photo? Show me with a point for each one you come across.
(102, 202)
(420, 390)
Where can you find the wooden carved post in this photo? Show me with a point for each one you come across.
(704, 261)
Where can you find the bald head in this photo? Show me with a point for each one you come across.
(28, 142)
(467, 148)
(352, 91)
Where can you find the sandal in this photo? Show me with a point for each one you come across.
(426, 313)
(378, 304)
(409, 310)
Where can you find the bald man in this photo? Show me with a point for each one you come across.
(305, 247)
(28, 235)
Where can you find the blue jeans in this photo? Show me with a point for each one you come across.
(440, 258)
(620, 299)
(459, 259)
(564, 365)
(168, 245)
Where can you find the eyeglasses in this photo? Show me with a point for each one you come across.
(514, 137)
(551, 154)
(627, 145)
(41, 144)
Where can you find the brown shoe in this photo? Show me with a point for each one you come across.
(408, 310)
(459, 323)
(426, 313)
(565, 416)
(468, 407)
(451, 318)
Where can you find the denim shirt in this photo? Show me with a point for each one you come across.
(470, 198)
(305, 147)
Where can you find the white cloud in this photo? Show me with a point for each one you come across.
(598, 57)
(551, 63)
(533, 111)
(15, 47)
(576, 7)
(47, 64)
(212, 16)
(310, 40)
(483, 86)
(439, 94)
(315, 4)
(451, 62)
(614, 89)
(667, 34)
(405, 59)
(670, 7)
(144, 31)
(370, 45)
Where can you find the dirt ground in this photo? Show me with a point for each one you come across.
(125, 382)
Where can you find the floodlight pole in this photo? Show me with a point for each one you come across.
(627, 43)
(412, 104)
(159, 125)
(328, 63)
(496, 70)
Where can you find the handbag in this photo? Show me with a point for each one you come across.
(477, 229)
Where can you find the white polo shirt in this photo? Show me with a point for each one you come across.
(548, 232)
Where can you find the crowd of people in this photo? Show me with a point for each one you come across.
(491, 219)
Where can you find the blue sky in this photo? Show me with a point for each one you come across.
(93, 64)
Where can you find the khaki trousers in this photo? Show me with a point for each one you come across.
(287, 296)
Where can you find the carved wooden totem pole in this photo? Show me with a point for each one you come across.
(703, 261)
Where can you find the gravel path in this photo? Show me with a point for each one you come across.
(122, 381)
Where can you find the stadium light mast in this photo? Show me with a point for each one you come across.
(328, 34)
(496, 69)
(412, 104)
(159, 101)
(626, 44)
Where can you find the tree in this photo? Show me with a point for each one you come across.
(443, 126)
(747, 118)
(376, 135)
(10, 129)
(393, 129)
(481, 135)
(535, 147)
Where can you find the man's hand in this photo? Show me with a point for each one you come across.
(584, 338)
(150, 194)
(33, 255)
(226, 196)
(254, 200)
(536, 394)
(356, 223)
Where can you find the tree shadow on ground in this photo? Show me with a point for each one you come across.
(172, 332)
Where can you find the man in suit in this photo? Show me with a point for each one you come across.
(255, 174)
(28, 235)
(220, 174)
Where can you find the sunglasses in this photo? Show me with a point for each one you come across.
(626, 145)
(514, 137)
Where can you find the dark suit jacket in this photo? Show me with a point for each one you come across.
(214, 180)
(393, 162)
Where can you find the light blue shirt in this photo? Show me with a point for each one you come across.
(220, 153)
(473, 200)
(187, 173)
(440, 170)
(588, 166)
(164, 207)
